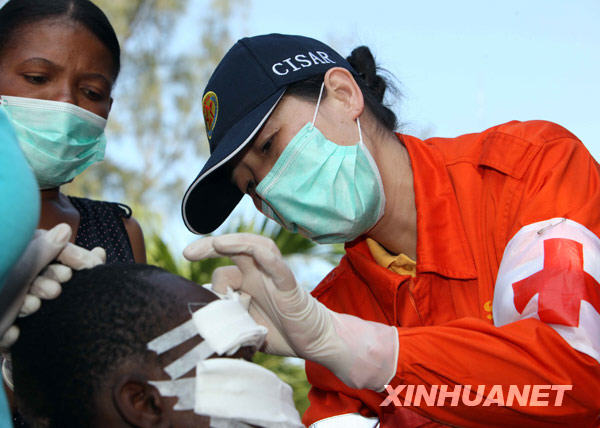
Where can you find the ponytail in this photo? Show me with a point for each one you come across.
(372, 85)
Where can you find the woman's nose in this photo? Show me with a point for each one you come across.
(65, 94)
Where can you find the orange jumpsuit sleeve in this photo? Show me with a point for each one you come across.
(563, 181)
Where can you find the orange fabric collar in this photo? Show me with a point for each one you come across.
(442, 245)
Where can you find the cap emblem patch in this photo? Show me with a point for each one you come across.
(210, 109)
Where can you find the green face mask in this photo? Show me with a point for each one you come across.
(326, 192)
(59, 140)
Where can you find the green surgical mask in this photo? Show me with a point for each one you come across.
(326, 192)
(60, 140)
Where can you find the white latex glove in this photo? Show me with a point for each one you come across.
(363, 354)
(34, 278)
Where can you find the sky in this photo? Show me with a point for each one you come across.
(461, 66)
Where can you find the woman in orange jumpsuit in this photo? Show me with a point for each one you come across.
(468, 295)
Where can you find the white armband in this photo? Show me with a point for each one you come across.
(550, 271)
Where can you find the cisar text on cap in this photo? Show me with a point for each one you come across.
(280, 69)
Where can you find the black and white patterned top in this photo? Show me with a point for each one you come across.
(101, 225)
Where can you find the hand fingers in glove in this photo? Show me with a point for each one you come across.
(47, 245)
(200, 249)
(246, 250)
(9, 337)
(226, 276)
(30, 305)
(58, 272)
(204, 248)
(264, 253)
(100, 253)
(45, 288)
(79, 258)
(40, 251)
(245, 243)
(47, 285)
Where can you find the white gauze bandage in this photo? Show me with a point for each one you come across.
(225, 326)
(231, 391)
(234, 393)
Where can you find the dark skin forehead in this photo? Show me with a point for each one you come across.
(35, 34)
(61, 60)
(191, 297)
(188, 295)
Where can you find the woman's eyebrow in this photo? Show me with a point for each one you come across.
(98, 76)
(47, 63)
(40, 61)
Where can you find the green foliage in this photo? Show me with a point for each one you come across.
(290, 244)
(200, 272)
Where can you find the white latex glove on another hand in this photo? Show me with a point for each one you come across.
(363, 354)
(34, 278)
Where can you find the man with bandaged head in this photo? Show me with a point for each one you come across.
(127, 357)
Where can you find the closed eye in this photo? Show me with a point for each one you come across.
(92, 95)
(266, 146)
(36, 79)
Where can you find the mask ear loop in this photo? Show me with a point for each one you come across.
(360, 140)
(318, 103)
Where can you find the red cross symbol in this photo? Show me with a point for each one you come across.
(561, 285)
(209, 113)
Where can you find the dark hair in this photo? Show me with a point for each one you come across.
(17, 13)
(103, 316)
(372, 85)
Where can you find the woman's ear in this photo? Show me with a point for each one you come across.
(139, 403)
(340, 85)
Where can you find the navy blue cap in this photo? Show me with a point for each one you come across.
(241, 94)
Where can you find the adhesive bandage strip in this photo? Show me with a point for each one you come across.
(188, 361)
(224, 324)
(236, 390)
(174, 337)
(184, 389)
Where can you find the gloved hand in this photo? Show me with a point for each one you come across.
(363, 354)
(32, 278)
